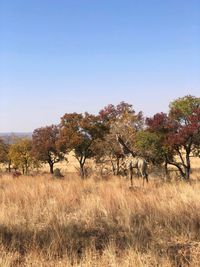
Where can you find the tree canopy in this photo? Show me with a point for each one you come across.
(45, 147)
(79, 132)
(165, 138)
(20, 154)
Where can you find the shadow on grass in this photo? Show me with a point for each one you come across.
(72, 239)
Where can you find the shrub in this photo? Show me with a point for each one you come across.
(57, 173)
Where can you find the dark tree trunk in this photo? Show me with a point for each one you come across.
(131, 175)
(188, 166)
(82, 161)
(118, 166)
(82, 171)
(26, 170)
(187, 173)
(166, 170)
(51, 167)
(184, 167)
(9, 166)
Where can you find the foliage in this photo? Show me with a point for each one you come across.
(122, 117)
(179, 132)
(108, 150)
(158, 127)
(124, 123)
(184, 136)
(20, 154)
(118, 130)
(149, 145)
(79, 132)
(4, 148)
(57, 173)
(45, 145)
(182, 108)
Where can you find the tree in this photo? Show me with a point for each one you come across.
(124, 114)
(179, 132)
(184, 136)
(149, 145)
(79, 132)
(158, 127)
(182, 108)
(5, 143)
(4, 148)
(123, 123)
(20, 154)
(108, 150)
(44, 146)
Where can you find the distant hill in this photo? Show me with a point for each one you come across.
(9, 137)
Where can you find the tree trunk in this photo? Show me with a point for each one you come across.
(166, 170)
(51, 167)
(181, 171)
(113, 167)
(131, 175)
(9, 166)
(187, 173)
(26, 169)
(188, 166)
(82, 171)
(118, 166)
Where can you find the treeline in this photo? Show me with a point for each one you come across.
(164, 139)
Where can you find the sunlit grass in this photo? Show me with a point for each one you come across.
(95, 222)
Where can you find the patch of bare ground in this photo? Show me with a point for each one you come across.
(94, 222)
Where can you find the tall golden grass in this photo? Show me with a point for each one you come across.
(95, 222)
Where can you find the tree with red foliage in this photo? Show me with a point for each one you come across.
(180, 132)
(123, 113)
(155, 143)
(44, 145)
(79, 132)
(123, 123)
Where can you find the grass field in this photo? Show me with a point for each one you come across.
(95, 222)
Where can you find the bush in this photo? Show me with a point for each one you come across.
(57, 173)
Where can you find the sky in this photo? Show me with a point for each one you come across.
(61, 56)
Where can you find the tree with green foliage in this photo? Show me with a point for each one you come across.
(4, 156)
(184, 137)
(20, 154)
(148, 145)
(108, 151)
(179, 132)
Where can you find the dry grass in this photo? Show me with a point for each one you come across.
(49, 222)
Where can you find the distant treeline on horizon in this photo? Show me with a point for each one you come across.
(8, 137)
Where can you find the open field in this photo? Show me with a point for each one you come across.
(95, 222)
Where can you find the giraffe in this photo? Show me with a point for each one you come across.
(131, 161)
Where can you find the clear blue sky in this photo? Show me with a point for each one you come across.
(59, 56)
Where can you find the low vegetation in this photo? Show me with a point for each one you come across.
(94, 222)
